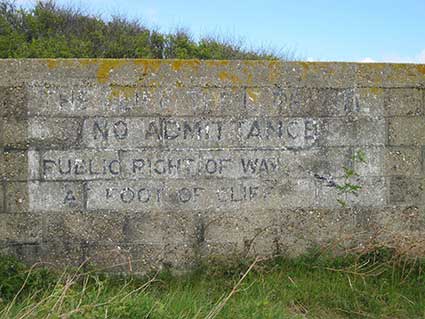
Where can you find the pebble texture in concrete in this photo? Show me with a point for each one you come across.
(133, 165)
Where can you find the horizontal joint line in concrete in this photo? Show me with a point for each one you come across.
(204, 116)
(299, 177)
(192, 179)
(273, 84)
(43, 151)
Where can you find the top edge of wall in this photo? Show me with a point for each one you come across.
(212, 73)
(208, 61)
(226, 61)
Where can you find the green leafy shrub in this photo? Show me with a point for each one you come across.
(15, 275)
(51, 31)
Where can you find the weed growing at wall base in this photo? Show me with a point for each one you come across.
(373, 284)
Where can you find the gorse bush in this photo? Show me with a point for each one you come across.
(48, 30)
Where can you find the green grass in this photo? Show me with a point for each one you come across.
(378, 284)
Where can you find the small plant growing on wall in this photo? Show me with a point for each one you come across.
(350, 185)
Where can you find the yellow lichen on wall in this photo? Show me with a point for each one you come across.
(106, 67)
(52, 63)
(121, 91)
(252, 94)
(421, 68)
(376, 90)
(370, 73)
(149, 65)
(177, 65)
(226, 76)
(273, 68)
(217, 63)
(154, 72)
(305, 69)
(248, 74)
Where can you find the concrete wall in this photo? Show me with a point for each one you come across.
(148, 163)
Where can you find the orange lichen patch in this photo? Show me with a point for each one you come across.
(273, 68)
(253, 64)
(402, 73)
(326, 67)
(421, 68)
(376, 91)
(149, 65)
(257, 62)
(249, 78)
(121, 91)
(52, 63)
(316, 68)
(402, 68)
(86, 62)
(105, 68)
(372, 66)
(252, 94)
(153, 84)
(217, 63)
(248, 73)
(371, 73)
(104, 65)
(305, 66)
(177, 65)
(226, 76)
(274, 63)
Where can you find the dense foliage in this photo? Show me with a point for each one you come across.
(51, 31)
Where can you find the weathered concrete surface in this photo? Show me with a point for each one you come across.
(141, 164)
